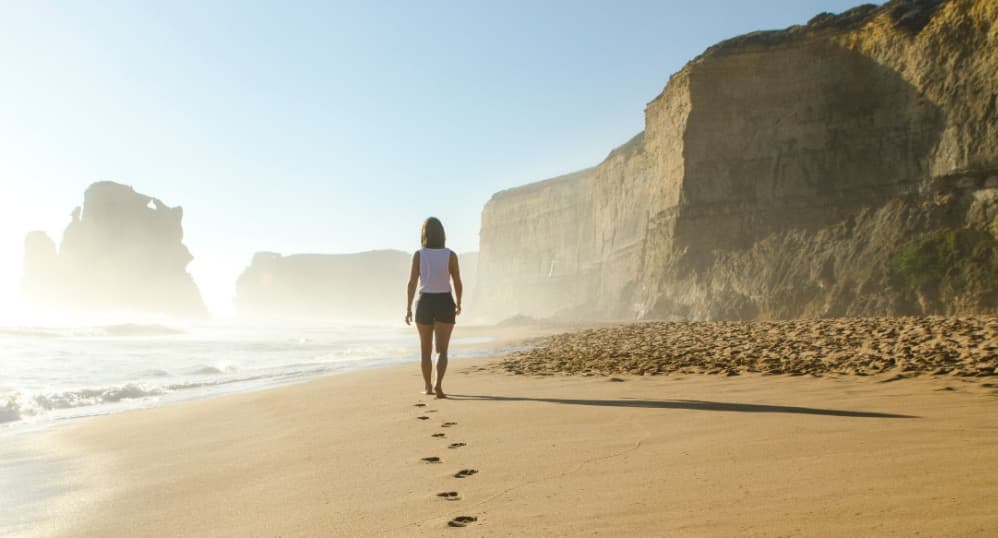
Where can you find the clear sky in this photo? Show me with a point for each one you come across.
(326, 126)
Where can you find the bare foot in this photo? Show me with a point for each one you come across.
(440, 393)
(428, 391)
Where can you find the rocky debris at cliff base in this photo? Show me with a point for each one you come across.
(905, 346)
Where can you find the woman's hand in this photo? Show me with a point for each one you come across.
(457, 310)
(408, 317)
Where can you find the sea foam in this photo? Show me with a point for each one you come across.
(56, 373)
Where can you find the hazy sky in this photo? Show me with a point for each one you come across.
(327, 126)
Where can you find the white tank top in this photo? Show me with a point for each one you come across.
(434, 270)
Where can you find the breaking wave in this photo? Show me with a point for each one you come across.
(21, 405)
(25, 404)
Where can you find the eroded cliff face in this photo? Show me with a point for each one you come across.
(122, 251)
(535, 241)
(365, 287)
(780, 173)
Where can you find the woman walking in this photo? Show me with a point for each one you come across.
(434, 266)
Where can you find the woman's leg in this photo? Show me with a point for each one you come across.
(443, 331)
(426, 353)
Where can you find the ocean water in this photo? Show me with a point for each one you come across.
(52, 374)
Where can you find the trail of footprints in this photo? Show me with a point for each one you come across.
(459, 521)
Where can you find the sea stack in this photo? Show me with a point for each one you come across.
(122, 252)
(363, 286)
(356, 287)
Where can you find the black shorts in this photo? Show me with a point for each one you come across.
(433, 307)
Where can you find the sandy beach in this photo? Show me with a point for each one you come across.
(710, 269)
(366, 454)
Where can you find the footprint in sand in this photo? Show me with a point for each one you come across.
(430, 411)
(431, 459)
(449, 496)
(424, 417)
(419, 405)
(462, 521)
(439, 435)
(457, 445)
(448, 424)
(465, 472)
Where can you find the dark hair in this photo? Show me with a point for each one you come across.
(432, 235)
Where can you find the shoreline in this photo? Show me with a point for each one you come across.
(134, 395)
(553, 455)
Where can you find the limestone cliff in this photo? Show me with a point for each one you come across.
(359, 287)
(122, 251)
(780, 174)
(534, 241)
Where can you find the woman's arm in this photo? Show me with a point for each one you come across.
(455, 274)
(413, 279)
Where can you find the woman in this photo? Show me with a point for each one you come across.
(434, 266)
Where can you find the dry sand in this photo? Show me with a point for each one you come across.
(667, 455)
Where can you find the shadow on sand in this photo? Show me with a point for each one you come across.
(696, 405)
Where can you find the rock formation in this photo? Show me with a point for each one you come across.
(359, 287)
(781, 174)
(122, 251)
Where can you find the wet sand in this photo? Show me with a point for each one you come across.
(366, 454)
